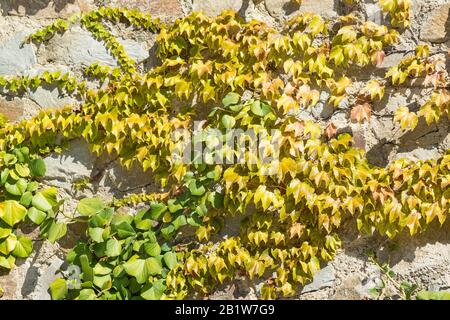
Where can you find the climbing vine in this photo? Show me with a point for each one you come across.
(291, 208)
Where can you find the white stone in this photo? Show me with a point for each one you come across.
(419, 154)
(15, 57)
(73, 164)
(45, 279)
(437, 25)
(282, 8)
(120, 179)
(323, 109)
(77, 46)
(49, 97)
(214, 7)
(374, 13)
(323, 278)
(320, 7)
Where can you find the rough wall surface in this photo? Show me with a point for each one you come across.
(425, 260)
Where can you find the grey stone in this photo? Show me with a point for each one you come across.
(374, 13)
(12, 109)
(120, 179)
(136, 50)
(45, 279)
(77, 46)
(281, 8)
(323, 278)
(164, 9)
(322, 109)
(371, 280)
(302, 114)
(50, 97)
(419, 154)
(214, 7)
(45, 9)
(391, 60)
(73, 164)
(15, 57)
(437, 25)
(322, 7)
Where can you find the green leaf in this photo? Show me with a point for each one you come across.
(216, 199)
(12, 212)
(18, 188)
(236, 107)
(145, 224)
(88, 271)
(230, 99)
(26, 199)
(168, 231)
(170, 259)
(113, 248)
(23, 248)
(179, 221)
(37, 167)
(9, 159)
(152, 249)
(5, 231)
(173, 205)
(37, 216)
(142, 220)
(32, 186)
(102, 269)
(22, 170)
(260, 109)
(57, 230)
(153, 291)
(228, 121)
(101, 219)
(194, 220)
(59, 289)
(4, 175)
(433, 295)
(195, 188)
(96, 234)
(142, 269)
(124, 230)
(157, 210)
(7, 262)
(90, 206)
(87, 294)
(154, 266)
(7, 245)
(45, 200)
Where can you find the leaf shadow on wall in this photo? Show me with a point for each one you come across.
(402, 248)
(424, 136)
(31, 7)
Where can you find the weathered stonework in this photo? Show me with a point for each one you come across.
(212, 7)
(15, 57)
(437, 25)
(45, 9)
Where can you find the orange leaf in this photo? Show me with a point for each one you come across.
(378, 57)
(330, 130)
(361, 112)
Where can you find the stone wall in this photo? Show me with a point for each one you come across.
(425, 260)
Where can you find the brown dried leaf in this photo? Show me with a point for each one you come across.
(361, 112)
(296, 230)
(378, 58)
(330, 130)
(296, 127)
